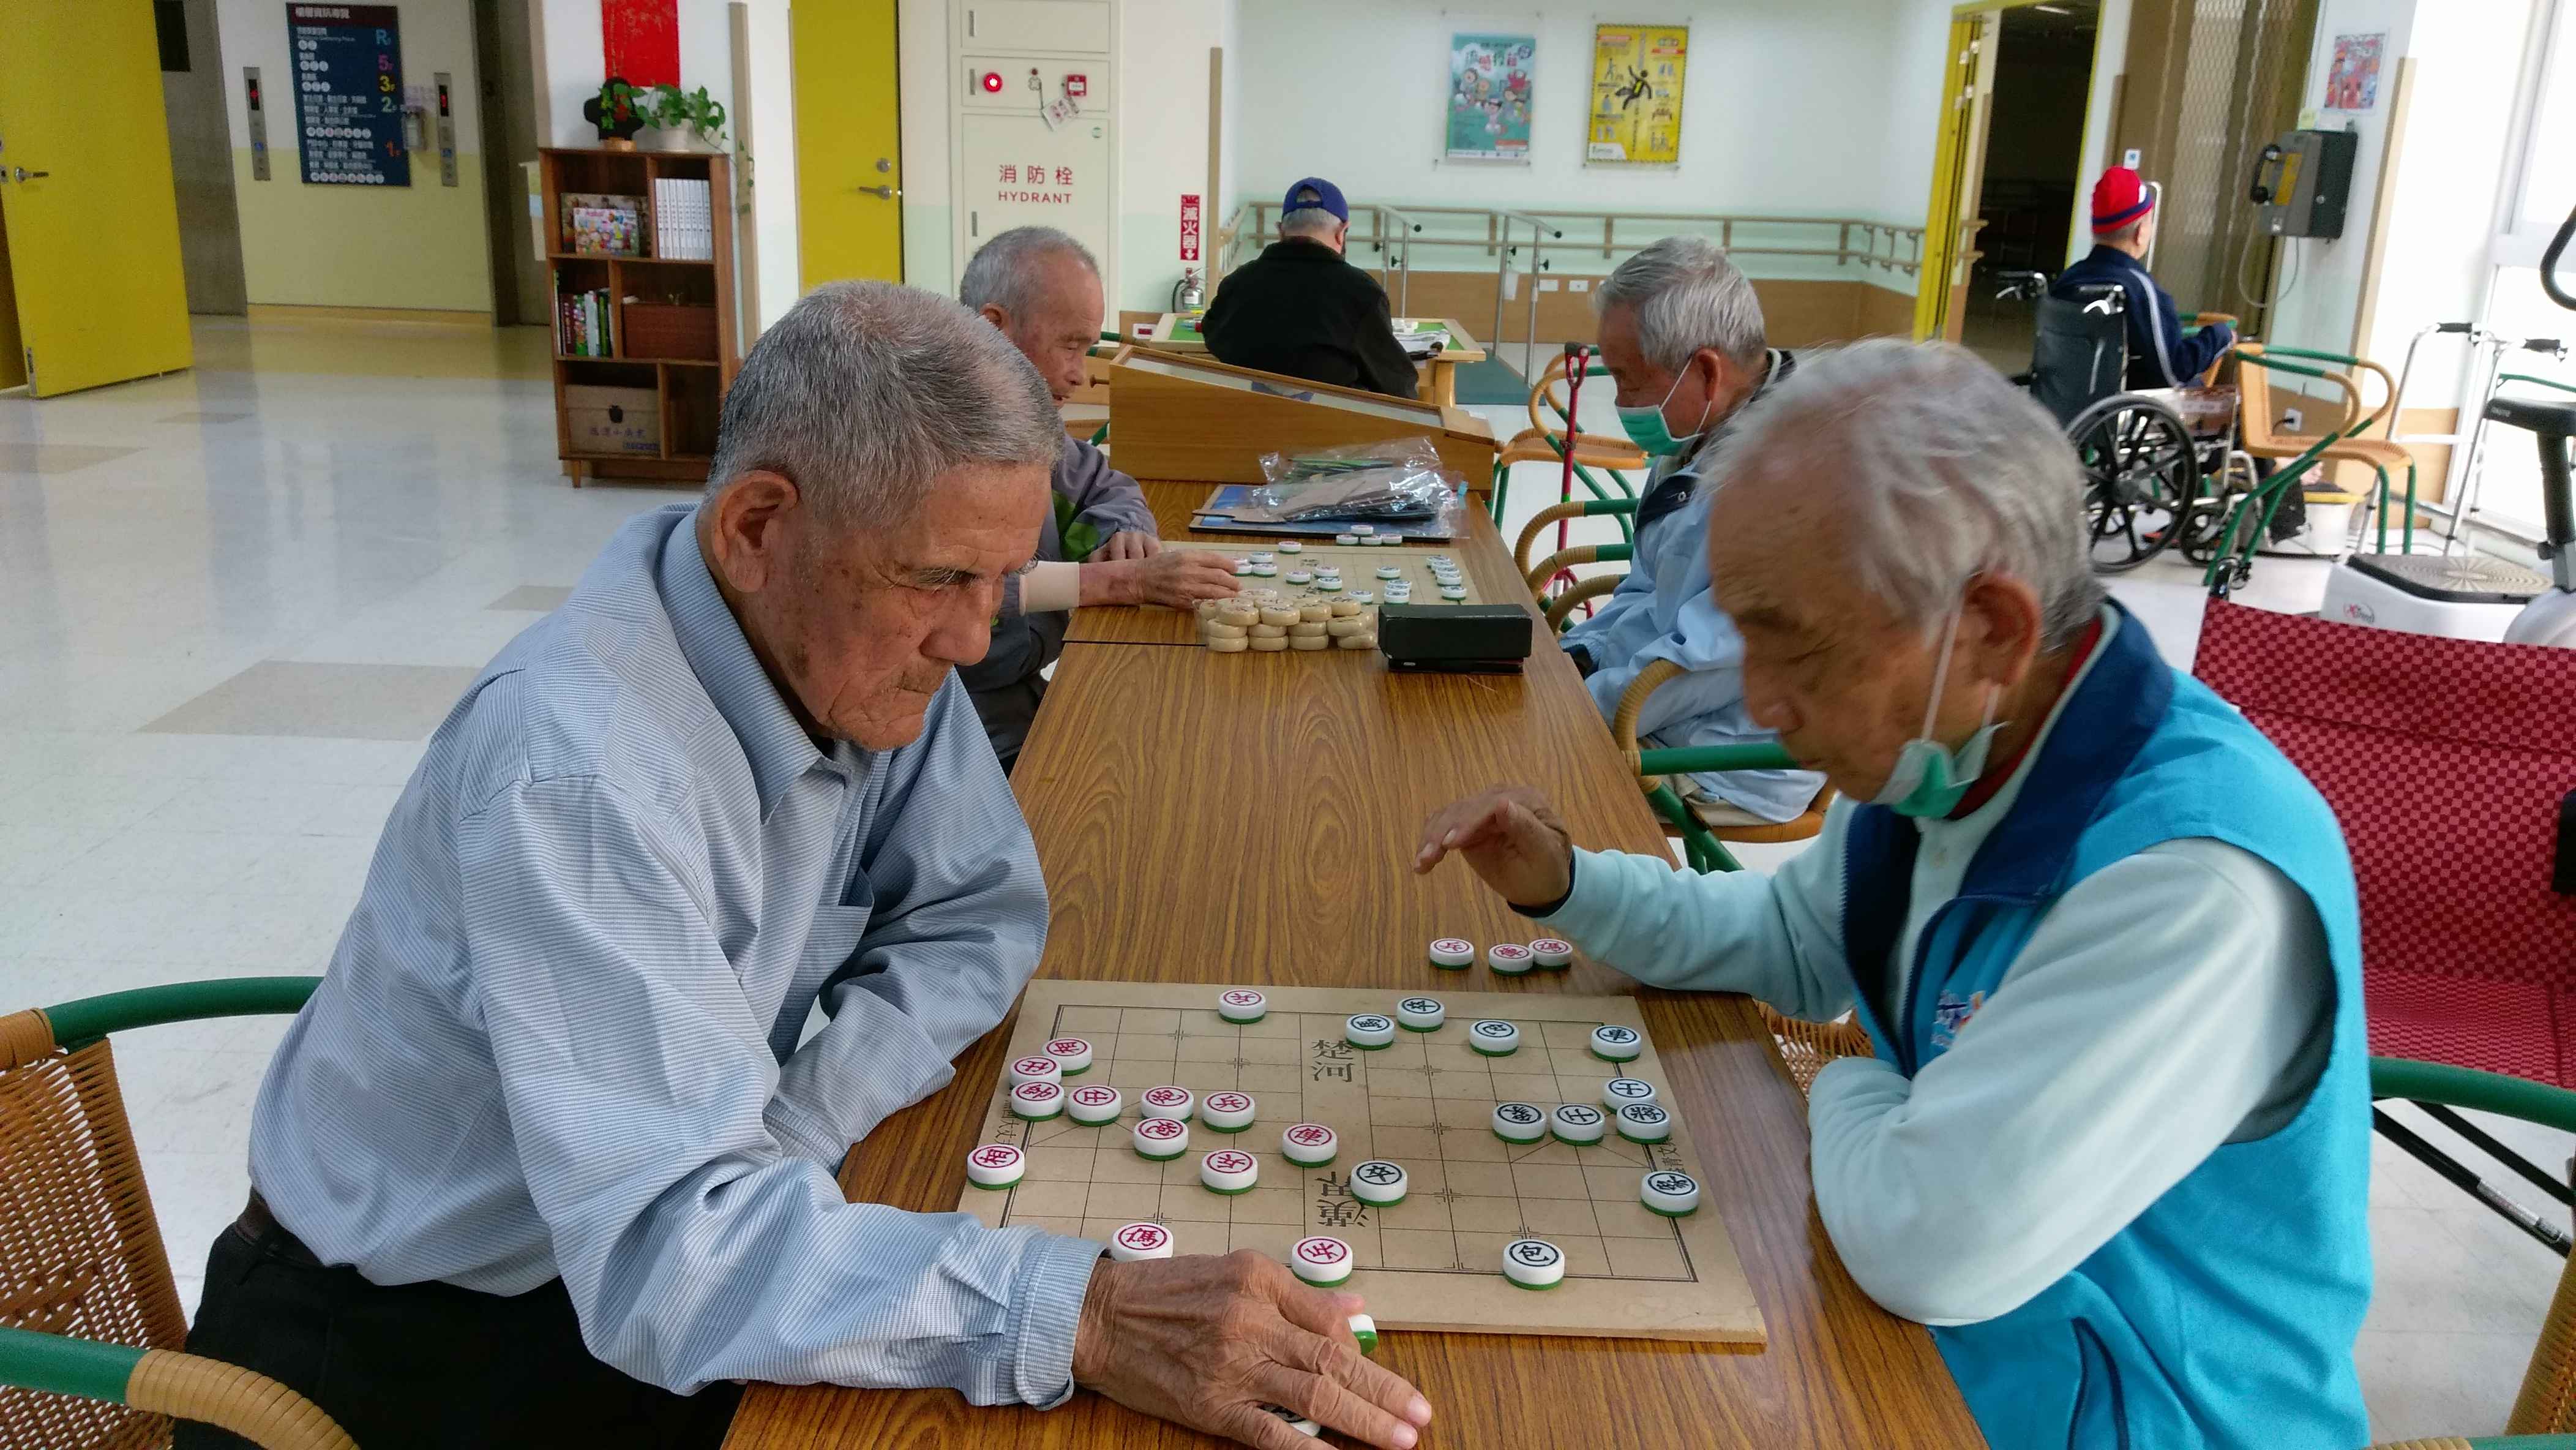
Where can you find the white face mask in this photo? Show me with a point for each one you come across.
(1929, 780)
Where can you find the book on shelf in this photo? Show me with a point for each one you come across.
(683, 219)
(582, 326)
(603, 225)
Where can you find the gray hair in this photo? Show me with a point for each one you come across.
(1949, 471)
(1688, 296)
(865, 393)
(1308, 221)
(1003, 273)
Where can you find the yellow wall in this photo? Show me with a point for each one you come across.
(416, 246)
(347, 246)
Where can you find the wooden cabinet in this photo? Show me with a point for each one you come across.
(647, 336)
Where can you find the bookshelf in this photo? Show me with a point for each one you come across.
(640, 375)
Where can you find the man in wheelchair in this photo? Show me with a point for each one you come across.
(1682, 336)
(2161, 355)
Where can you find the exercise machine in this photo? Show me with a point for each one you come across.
(2470, 596)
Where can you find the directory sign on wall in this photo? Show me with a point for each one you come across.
(349, 94)
(1637, 93)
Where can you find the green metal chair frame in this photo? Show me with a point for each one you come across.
(2251, 521)
(1701, 848)
(2545, 1411)
(2406, 534)
(157, 1379)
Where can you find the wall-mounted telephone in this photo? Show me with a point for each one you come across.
(2303, 183)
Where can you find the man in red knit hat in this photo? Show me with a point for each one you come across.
(2124, 222)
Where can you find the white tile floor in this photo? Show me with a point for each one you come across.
(369, 496)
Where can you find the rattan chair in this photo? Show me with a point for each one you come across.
(90, 1325)
(1703, 837)
(1538, 576)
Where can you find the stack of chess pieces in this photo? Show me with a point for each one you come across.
(1270, 620)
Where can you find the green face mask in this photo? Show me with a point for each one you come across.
(1646, 427)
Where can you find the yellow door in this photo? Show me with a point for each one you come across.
(849, 151)
(93, 226)
(1957, 165)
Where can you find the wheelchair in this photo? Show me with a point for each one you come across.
(2161, 467)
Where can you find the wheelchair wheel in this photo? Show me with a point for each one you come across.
(2140, 476)
(2206, 526)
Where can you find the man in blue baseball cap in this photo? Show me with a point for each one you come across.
(1300, 309)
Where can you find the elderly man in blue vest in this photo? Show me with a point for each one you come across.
(2114, 1142)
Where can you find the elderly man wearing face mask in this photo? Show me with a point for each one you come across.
(2114, 1144)
(1681, 333)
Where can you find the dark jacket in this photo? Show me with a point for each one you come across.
(2160, 355)
(1299, 309)
(1004, 684)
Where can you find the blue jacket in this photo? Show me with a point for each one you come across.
(1663, 611)
(2222, 1318)
(2161, 355)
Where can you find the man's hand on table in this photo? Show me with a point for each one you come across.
(1173, 578)
(1511, 837)
(1206, 1341)
(1127, 544)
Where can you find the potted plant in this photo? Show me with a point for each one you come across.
(683, 120)
(618, 112)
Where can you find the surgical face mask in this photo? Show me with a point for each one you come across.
(1646, 427)
(1930, 780)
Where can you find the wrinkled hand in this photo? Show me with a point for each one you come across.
(1206, 1341)
(1127, 544)
(1511, 837)
(1174, 579)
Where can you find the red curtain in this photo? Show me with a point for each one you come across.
(640, 40)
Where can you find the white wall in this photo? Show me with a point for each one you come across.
(1163, 139)
(2110, 58)
(2450, 166)
(2325, 277)
(1817, 108)
(417, 247)
(574, 71)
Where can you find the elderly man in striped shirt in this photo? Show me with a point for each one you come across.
(548, 1158)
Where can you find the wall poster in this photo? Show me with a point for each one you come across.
(1636, 113)
(349, 94)
(2353, 83)
(1489, 97)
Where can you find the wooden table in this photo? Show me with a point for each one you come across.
(1479, 550)
(1203, 824)
(1179, 332)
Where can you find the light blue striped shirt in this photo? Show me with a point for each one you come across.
(559, 1036)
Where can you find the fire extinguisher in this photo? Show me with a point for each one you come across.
(1188, 293)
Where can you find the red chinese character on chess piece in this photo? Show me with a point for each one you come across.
(1064, 176)
(1010, 175)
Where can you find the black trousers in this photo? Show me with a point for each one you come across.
(428, 1366)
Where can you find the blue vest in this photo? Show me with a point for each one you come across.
(2224, 1315)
